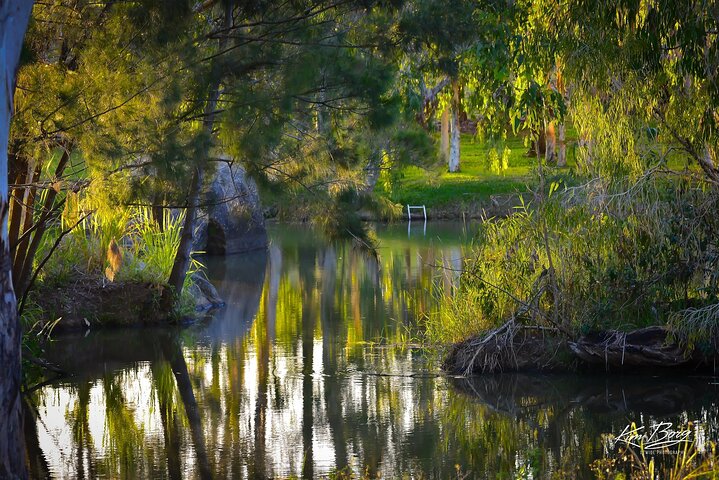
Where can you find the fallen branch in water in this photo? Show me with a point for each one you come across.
(42, 363)
(517, 347)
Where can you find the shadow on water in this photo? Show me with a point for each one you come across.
(283, 382)
(513, 393)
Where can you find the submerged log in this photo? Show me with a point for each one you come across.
(646, 347)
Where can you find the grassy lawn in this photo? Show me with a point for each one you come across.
(475, 182)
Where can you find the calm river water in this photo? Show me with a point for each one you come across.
(294, 378)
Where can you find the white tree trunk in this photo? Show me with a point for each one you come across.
(444, 136)
(561, 146)
(454, 148)
(14, 16)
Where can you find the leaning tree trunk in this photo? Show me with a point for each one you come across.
(184, 250)
(454, 149)
(14, 16)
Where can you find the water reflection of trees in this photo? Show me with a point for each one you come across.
(553, 425)
(282, 383)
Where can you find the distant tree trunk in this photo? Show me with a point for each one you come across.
(184, 250)
(561, 146)
(323, 113)
(454, 149)
(556, 148)
(550, 143)
(444, 136)
(372, 171)
(14, 16)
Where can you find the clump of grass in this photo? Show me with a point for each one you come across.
(151, 247)
(147, 248)
(697, 327)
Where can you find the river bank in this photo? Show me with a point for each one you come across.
(88, 302)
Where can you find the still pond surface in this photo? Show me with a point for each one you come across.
(295, 377)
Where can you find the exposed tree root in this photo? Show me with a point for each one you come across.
(511, 347)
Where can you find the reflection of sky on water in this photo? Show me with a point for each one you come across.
(286, 381)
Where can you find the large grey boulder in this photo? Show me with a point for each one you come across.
(233, 220)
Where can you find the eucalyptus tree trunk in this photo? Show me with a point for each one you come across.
(454, 148)
(444, 136)
(184, 250)
(14, 16)
(561, 146)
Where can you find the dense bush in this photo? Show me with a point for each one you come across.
(618, 254)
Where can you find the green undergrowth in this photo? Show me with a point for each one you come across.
(143, 253)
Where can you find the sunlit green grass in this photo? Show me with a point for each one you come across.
(476, 181)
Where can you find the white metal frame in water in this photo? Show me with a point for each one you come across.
(409, 217)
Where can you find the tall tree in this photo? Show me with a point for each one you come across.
(14, 16)
(280, 78)
(436, 35)
(475, 46)
(455, 127)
